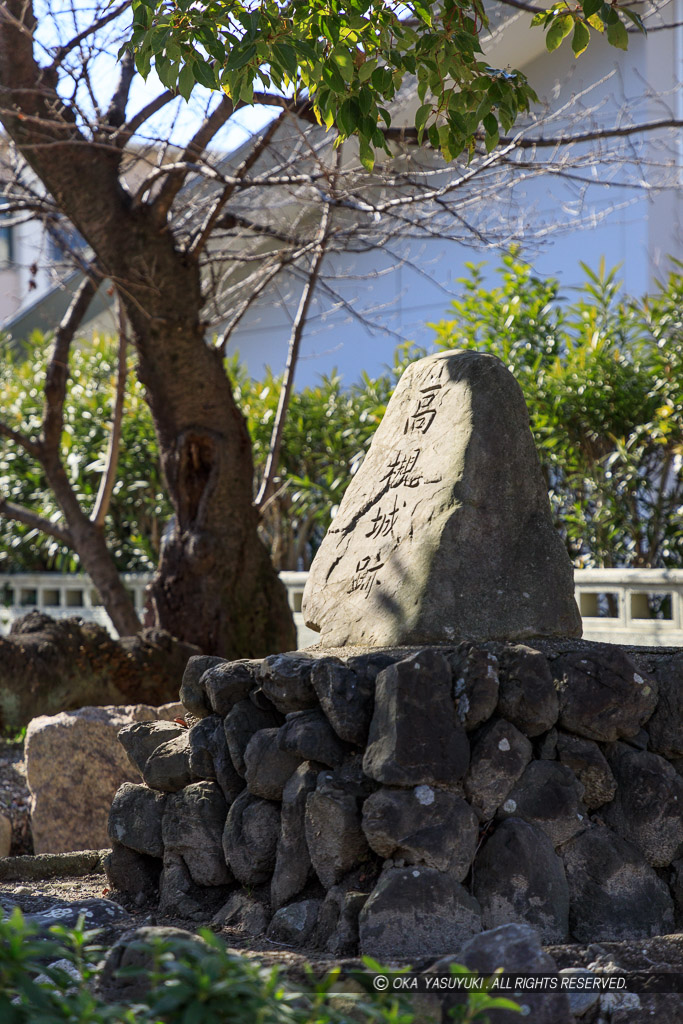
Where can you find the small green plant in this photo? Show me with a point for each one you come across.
(51, 980)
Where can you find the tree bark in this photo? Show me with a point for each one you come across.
(215, 585)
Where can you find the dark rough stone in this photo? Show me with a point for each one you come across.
(666, 725)
(259, 700)
(337, 928)
(613, 891)
(368, 666)
(602, 695)
(250, 838)
(100, 914)
(548, 794)
(422, 826)
(115, 985)
(516, 947)
(141, 739)
(286, 681)
(48, 666)
(309, 735)
(648, 806)
(294, 925)
(210, 758)
(546, 746)
(293, 862)
(518, 877)
(417, 912)
(415, 736)
(168, 767)
(193, 828)
(475, 683)
(131, 872)
(180, 896)
(267, 766)
(241, 723)
(192, 693)
(590, 766)
(243, 914)
(346, 697)
(500, 753)
(527, 696)
(135, 819)
(334, 836)
(677, 888)
(227, 683)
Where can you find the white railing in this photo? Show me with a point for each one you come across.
(617, 605)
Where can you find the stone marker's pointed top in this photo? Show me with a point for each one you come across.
(445, 531)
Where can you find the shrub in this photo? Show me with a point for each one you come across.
(44, 981)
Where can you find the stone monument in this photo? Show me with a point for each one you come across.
(445, 532)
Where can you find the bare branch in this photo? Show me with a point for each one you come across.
(521, 141)
(23, 515)
(293, 355)
(246, 165)
(126, 132)
(116, 114)
(106, 488)
(58, 366)
(30, 446)
(193, 152)
(64, 51)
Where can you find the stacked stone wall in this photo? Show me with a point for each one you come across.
(397, 803)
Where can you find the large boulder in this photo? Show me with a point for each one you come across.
(335, 838)
(518, 877)
(614, 893)
(500, 753)
(346, 696)
(416, 737)
(445, 530)
(192, 828)
(250, 838)
(293, 861)
(74, 766)
(527, 695)
(48, 666)
(417, 912)
(590, 766)
(603, 696)
(666, 725)
(422, 826)
(548, 794)
(135, 819)
(475, 683)
(516, 948)
(648, 806)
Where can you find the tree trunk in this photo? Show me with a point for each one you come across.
(215, 585)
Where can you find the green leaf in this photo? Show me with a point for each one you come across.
(422, 115)
(559, 30)
(617, 35)
(635, 18)
(186, 81)
(205, 73)
(591, 7)
(580, 39)
(367, 156)
(239, 57)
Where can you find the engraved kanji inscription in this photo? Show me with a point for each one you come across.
(365, 576)
(382, 523)
(401, 470)
(421, 419)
